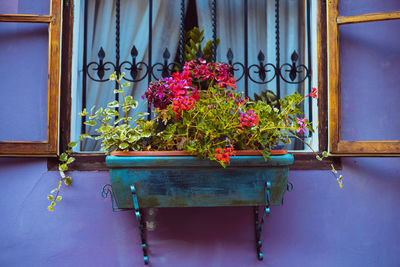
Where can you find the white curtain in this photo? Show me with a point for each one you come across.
(134, 17)
(261, 37)
(165, 26)
(261, 34)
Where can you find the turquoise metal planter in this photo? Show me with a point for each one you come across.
(186, 181)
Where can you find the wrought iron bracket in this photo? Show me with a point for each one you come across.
(106, 192)
(259, 224)
(140, 221)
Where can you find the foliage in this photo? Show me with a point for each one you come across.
(198, 110)
(114, 126)
(193, 41)
(215, 121)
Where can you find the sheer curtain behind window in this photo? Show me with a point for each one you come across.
(261, 37)
(134, 21)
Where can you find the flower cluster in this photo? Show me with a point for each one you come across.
(224, 154)
(180, 91)
(182, 103)
(248, 119)
(220, 72)
(302, 125)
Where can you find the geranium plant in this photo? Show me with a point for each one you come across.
(199, 110)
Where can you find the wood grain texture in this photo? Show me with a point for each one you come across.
(97, 162)
(368, 17)
(49, 147)
(322, 76)
(333, 76)
(336, 144)
(54, 76)
(65, 86)
(26, 18)
(192, 182)
(369, 147)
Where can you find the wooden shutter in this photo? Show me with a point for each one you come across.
(337, 142)
(52, 20)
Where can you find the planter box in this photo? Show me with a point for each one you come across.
(176, 179)
(186, 181)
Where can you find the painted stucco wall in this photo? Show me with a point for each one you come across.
(318, 225)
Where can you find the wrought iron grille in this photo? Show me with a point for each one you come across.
(289, 72)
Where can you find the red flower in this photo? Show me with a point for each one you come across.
(225, 155)
(313, 93)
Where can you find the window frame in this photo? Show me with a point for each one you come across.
(50, 146)
(337, 146)
(96, 161)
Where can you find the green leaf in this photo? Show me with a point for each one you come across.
(59, 198)
(53, 191)
(50, 197)
(112, 112)
(116, 91)
(63, 157)
(86, 136)
(123, 145)
(126, 84)
(70, 160)
(325, 154)
(50, 208)
(100, 110)
(113, 104)
(113, 77)
(63, 167)
(53, 203)
(333, 169)
(83, 113)
(72, 144)
(68, 181)
(91, 123)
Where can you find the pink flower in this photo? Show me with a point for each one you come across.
(302, 125)
(248, 119)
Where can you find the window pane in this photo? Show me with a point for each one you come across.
(351, 7)
(23, 93)
(35, 7)
(370, 81)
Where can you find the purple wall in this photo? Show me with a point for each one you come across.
(319, 224)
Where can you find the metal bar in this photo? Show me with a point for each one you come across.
(141, 225)
(214, 29)
(259, 224)
(84, 69)
(150, 49)
(117, 43)
(310, 117)
(277, 50)
(181, 36)
(246, 48)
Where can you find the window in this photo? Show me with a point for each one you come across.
(266, 51)
(72, 74)
(30, 53)
(363, 60)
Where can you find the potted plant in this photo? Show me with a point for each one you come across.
(207, 145)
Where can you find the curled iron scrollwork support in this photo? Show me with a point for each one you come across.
(108, 192)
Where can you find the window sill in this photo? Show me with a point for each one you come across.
(97, 162)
